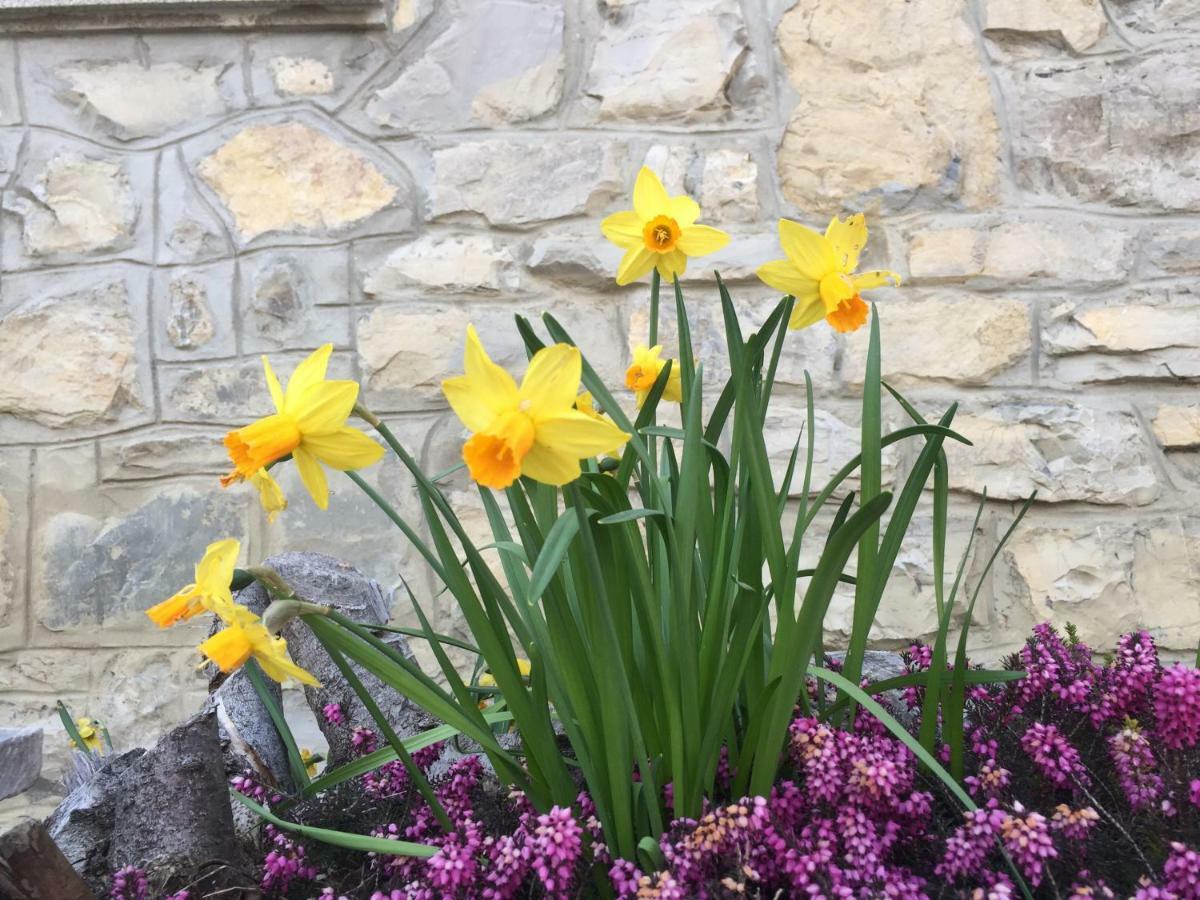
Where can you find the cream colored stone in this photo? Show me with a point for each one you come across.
(1078, 23)
(78, 205)
(146, 101)
(1061, 450)
(946, 254)
(291, 177)
(1056, 250)
(893, 99)
(69, 360)
(471, 263)
(532, 93)
(1178, 427)
(963, 339)
(835, 442)
(300, 76)
(729, 187)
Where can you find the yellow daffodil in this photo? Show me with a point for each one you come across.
(647, 365)
(270, 494)
(586, 404)
(487, 679)
(310, 761)
(533, 430)
(213, 574)
(89, 732)
(659, 232)
(244, 636)
(310, 424)
(819, 273)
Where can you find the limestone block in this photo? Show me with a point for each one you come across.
(1171, 249)
(1075, 24)
(46, 671)
(403, 16)
(458, 264)
(1178, 427)
(194, 310)
(1152, 17)
(228, 392)
(189, 231)
(1066, 451)
(724, 181)
(288, 300)
(499, 63)
(10, 107)
(511, 182)
(1088, 131)
(296, 178)
(894, 105)
(651, 63)
(944, 336)
(321, 67)
(15, 470)
(20, 759)
(1108, 578)
(406, 350)
(1128, 337)
(70, 354)
(161, 451)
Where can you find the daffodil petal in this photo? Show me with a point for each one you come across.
(623, 228)
(273, 385)
(485, 377)
(473, 407)
(649, 196)
(578, 435)
(700, 240)
(805, 314)
(215, 569)
(345, 449)
(550, 466)
(313, 477)
(878, 278)
(552, 380)
(636, 262)
(834, 290)
(683, 209)
(325, 407)
(783, 276)
(308, 373)
(280, 668)
(671, 265)
(847, 238)
(809, 252)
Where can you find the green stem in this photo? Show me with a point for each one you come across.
(655, 283)
(295, 760)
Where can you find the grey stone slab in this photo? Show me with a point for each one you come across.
(321, 68)
(295, 300)
(194, 313)
(20, 759)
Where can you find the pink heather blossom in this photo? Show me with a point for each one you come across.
(968, 849)
(1177, 706)
(333, 713)
(1074, 824)
(364, 740)
(129, 883)
(992, 780)
(1181, 872)
(284, 863)
(1026, 836)
(248, 784)
(1056, 758)
(452, 868)
(1133, 758)
(555, 848)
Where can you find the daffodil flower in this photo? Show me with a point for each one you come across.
(270, 494)
(820, 273)
(310, 761)
(487, 679)
(245, 636)
(310, 424)
(647, 365)
(532, 430)
(213, 574)
(659, 232)
(89, 732)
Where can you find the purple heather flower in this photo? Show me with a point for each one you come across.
(333, 713)
(129, 883)
(1074, 824)
(555, 847)
(1177, 706)
(1027, 838)
(1055, 757)
(284, 863)
(1133, 758)
(1181, 872)
(364, 740)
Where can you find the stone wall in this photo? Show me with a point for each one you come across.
(177, 202)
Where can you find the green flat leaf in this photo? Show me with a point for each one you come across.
(629, 515)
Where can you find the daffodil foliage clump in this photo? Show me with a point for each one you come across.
(642, 592)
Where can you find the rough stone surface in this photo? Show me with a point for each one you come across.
(1076, 24)
(33, 868)
(1178, 427)
(300, 76)
(457, 264)
(20, 759)
(291, 177)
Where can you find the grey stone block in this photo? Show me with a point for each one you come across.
(20, 759)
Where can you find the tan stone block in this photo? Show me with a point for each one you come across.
(1079, 24)
(300, 76)
(1064, 251)
(893, 100)
(957, 338)
(1178, 427)
(470, 263)
(946, 254)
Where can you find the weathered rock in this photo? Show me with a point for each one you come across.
(293, 178)
(1157, 16)
(172, 815)
(516, 183)
(912, 112)
(1090, 132)
(77, 205)
(293, 300)
(136, 101)
(724, 181)
(70, 360)
(1063, 450)
(20, 759)
(1153, 337)
(191, 232)
(457, 83)
(33, 868)
(652, 63)
(191, 323)
(323, 579)
(15, 469)
(249, 739)
(474, 263)
(1076, 24)
(944, 337)
(300, 76)
(1172, 250)
(835, 441)
(1178, 427)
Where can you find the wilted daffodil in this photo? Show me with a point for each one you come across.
(213, 574)
(89, 732)
(647, 365)
(310, 424)
(659, 232)
(819, 273)
(270, 494)
(533, 430)
(244, 636)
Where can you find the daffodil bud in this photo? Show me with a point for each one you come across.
(280, 612)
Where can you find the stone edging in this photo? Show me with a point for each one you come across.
(59, 16)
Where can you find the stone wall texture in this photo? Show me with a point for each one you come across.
(178, 202)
